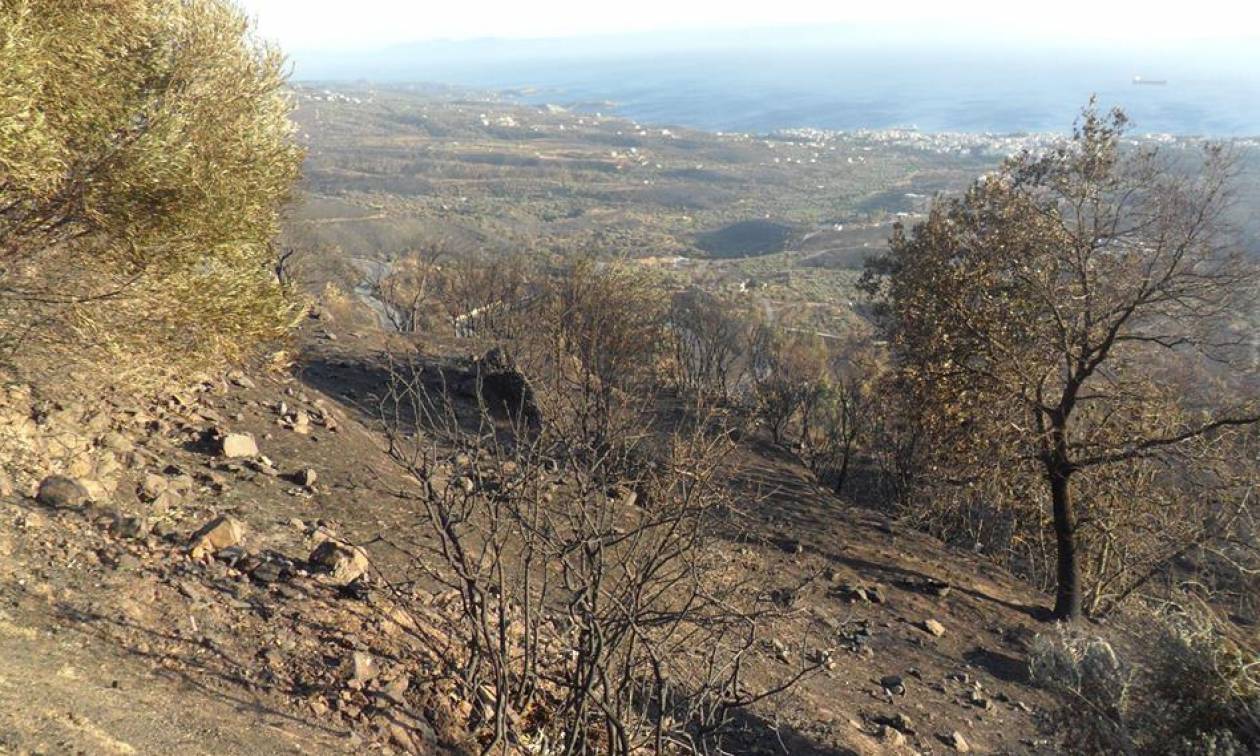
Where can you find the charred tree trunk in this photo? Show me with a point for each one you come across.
(841, 476)
(843, 473)
(1067, 604)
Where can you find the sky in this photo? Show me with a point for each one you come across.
(360, 25)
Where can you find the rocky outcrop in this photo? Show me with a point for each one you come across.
(39, 438)
(504, 387)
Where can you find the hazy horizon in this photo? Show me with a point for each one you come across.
(324, 25)
(973, 65)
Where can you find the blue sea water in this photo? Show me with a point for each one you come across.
(836, 87)
(742, 93)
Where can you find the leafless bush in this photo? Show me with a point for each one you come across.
(786, 373)
(707, 340)
(592, 617)
(408, 287)
(489, 296)
(595, 339)
(836, 420)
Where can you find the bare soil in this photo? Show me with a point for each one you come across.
(113, 641)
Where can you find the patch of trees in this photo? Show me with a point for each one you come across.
(594, 613)
(1065, 384)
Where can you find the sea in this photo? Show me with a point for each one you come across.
(954, 89)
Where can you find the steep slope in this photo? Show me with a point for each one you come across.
(138, 647)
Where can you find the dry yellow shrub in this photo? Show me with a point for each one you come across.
(145, 151)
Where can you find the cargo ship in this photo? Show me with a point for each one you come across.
(1150, 82)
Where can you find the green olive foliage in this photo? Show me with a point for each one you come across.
(145, 152)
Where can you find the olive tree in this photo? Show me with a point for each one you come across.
(145, 151)
(1071, 317)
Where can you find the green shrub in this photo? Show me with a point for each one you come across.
(1191, 690)
(145, 152)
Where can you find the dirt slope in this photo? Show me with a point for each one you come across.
(62, 691)
(112, 639)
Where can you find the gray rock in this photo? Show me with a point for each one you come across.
(893, 684)
(60, 491)
(164, 502)
(181, 482)
(933, 627)
(132, 527)
(268, 572)
(956, 741)
(238, 445)
(363, 667)
(126, 563)
(901, 723)
(891, 736)
(780, 650)
(343, 562)
(216, 535)
(152, 486)
(117, 442)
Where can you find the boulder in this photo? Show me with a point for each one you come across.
(240, 379)
(60, 491)
(505, 387)
(891, 737)
(132, 527)
(899, 722)
(933, 627)
(152, 486)
(301, 422)
(956, 741)
(238, 445)
(218, 534)
(343, 562)
(180, 481)
(115, 441)
(362, 667)
(97, 490)
(164, 501)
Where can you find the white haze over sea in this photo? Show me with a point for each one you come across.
(761, 82)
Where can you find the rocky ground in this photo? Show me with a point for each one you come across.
(188, 581)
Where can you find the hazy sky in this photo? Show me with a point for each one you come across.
(365, 24)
